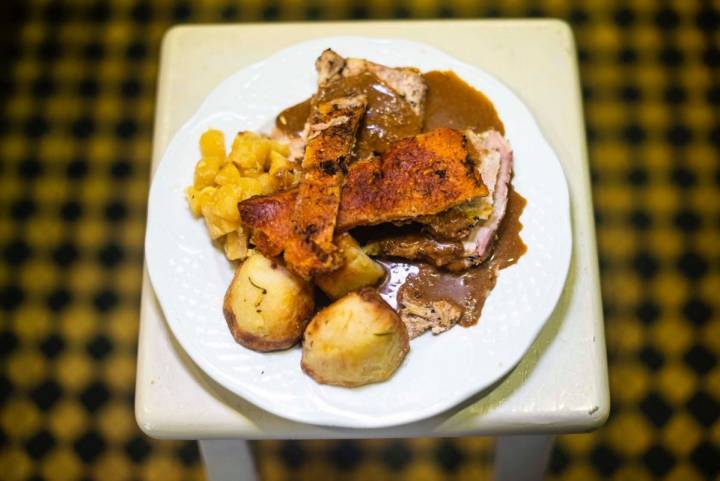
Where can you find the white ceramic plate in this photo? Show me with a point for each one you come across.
(190, 276)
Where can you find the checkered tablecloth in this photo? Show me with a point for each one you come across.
(77, 93)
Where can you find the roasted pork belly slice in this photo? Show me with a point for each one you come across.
(331, 136)
(417, 176)
(456, 224)
(463, 236)
(332, 126)
(420, 175)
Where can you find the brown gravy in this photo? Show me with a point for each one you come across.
(467, 290)
(452, 103)
(292, 119)
(388, 116)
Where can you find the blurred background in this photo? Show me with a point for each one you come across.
(77, 93)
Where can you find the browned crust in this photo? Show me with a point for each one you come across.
(332, 129)
(420, 175)
(262, 344)
(371, 296)
(405, 183)
(270, 216)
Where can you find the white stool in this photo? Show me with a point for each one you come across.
(561, 384)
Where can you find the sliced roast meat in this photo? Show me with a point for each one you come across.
(497, 165)
(463, 236)
(416, 176)
(407, 81)
(331, 136)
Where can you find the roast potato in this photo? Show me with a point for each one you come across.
(356, 340)
(266, 306)
(358, 270)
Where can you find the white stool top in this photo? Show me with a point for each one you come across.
(560, 385)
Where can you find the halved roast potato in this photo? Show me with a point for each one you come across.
(266, 306)
(354, 341)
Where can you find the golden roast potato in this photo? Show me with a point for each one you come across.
(358, 270)
(266, 306)
(354, 341)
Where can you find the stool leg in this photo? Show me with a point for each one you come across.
(522, 457)
(228, 460)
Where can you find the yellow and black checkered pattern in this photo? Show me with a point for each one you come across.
(77, 85)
